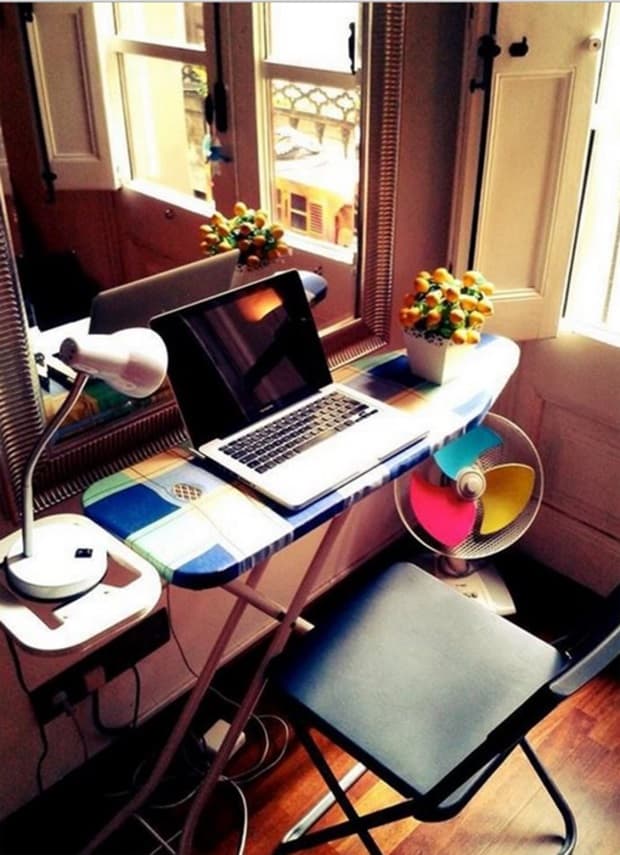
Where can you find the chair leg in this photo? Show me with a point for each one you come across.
(312, 816)
(570, 825)
(355, 824)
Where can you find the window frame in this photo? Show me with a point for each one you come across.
(382, 53)
(592, 306)
(382, 60)
(113, 47)
(268, 70)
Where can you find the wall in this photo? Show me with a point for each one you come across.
(564, 396)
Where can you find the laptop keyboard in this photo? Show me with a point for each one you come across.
(281, 439)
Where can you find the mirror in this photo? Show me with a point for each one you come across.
(75, 462)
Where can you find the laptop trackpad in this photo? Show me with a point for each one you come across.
(313, 474)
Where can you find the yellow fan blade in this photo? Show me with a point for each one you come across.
(509, 489)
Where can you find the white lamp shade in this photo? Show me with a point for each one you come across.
(132, 361)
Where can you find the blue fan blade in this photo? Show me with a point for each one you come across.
(465, 450)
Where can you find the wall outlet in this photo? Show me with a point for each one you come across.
(99, 667)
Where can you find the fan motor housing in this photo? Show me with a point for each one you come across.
(470, 482)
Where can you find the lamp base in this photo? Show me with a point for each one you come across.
(68, 560)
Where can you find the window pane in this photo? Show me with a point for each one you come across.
(314, 35)
(177, 23)
(164, 102)
(316, 158)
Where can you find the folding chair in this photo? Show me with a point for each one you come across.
(431, 692)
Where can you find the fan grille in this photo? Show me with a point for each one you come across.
(516, 447)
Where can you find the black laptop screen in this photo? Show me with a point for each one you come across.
(242, 355)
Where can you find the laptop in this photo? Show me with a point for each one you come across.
(135, 303)
(251, 380)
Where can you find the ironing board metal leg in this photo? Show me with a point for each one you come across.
(254, 691)
(183, 722)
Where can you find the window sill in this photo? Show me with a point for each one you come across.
(342, 254)
(597, 332)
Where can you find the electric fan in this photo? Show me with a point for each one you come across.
(473, 498)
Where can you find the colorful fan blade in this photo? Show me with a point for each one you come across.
(441, 512)
(465, 450)
(509, 489)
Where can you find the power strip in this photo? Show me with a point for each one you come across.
(215, 735)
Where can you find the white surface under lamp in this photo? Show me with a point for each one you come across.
(58, 556)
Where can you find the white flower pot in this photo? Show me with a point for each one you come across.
(436, 359)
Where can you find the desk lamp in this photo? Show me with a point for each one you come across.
(56, 558)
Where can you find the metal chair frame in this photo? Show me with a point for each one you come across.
(582, 658)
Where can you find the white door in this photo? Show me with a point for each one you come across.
(539, 105)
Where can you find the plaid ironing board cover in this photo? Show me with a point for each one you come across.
(201, 530)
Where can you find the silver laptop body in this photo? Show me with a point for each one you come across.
(251, 358)
(135, 303)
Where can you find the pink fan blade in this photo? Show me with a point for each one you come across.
(439, 510)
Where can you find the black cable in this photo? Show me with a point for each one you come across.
(22, 682)
(70, 711)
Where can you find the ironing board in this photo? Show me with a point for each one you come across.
(185, 521)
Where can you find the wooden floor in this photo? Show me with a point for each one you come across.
(579, 744)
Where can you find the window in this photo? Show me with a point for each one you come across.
(301, 114)
(593, 305)
(311, 82)
(159, 50)
(308, 109)
(313, 115)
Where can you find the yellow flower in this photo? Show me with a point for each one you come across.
(485, 306)
(434, 298)
(441, 274)
(468, 302)
(470, 278)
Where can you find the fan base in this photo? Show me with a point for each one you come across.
(479, 580)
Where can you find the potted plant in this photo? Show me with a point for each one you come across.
(441, 318)
(259, 241)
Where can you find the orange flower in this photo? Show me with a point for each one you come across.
(442, 306)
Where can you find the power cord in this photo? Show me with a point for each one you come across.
(70, 711)
(245, 817)
(261, 766)
(199, 765)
